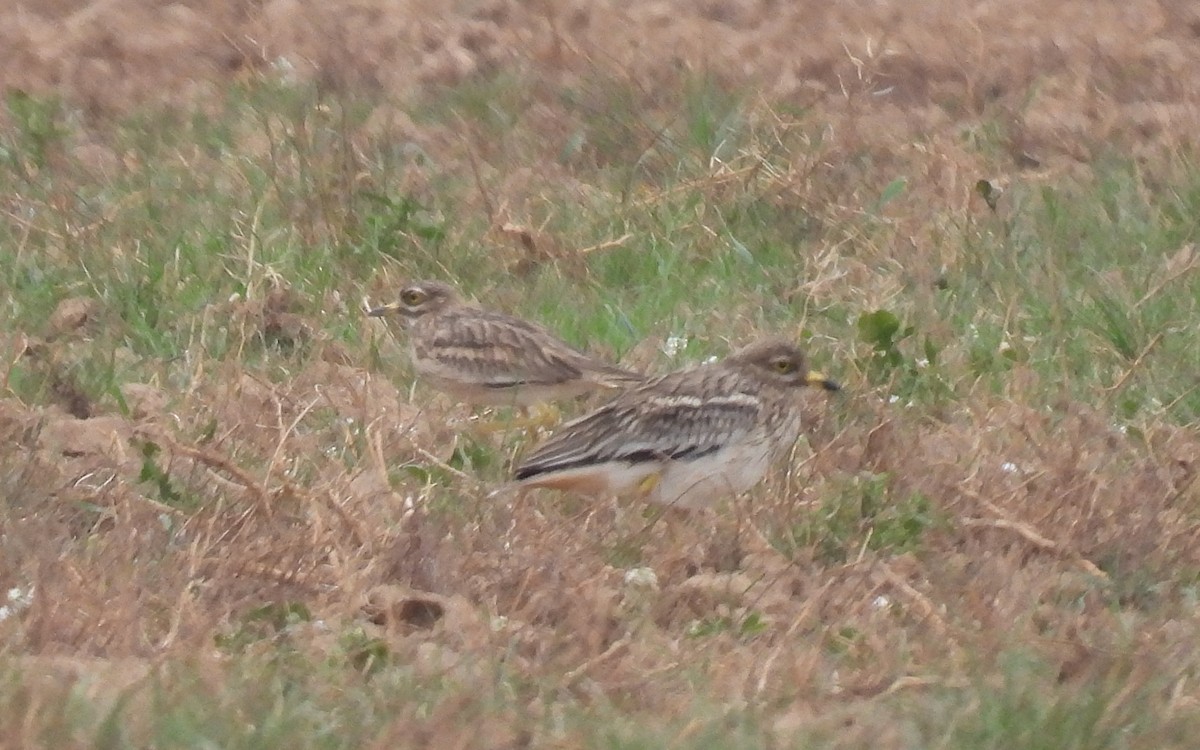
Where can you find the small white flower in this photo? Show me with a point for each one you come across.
(881, 602)
(641, 578)
(710, 360)
(1008, 467)
(674, 345)
(18, 601)
(893, 399)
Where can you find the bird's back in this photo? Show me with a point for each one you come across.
(492, 351)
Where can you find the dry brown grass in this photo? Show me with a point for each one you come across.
(452, 580)
(1063, 79)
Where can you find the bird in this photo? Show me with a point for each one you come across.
(685, 439)
(489, 358)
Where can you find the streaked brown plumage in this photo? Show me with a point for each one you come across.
(687, 438)
(490, 358)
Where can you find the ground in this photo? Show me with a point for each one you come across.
(232, 518)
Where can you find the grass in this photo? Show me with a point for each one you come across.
(988, 541)
(281, 701)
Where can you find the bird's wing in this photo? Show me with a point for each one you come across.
(499, 351)
(647, 424)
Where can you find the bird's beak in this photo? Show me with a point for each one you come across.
(815, 378)
(382, 310)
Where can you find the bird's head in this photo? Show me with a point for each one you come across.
(417, 299)
(779, 361)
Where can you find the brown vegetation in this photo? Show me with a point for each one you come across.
(1064, 77)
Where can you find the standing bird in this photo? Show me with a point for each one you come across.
(490, 358)
(687, 438)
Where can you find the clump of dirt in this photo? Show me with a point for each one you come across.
(71, 314)
(51, 358)
(281, 325)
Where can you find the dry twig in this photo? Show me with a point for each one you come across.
(1028, 533)
(926, 608)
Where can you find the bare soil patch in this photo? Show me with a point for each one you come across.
(1067, 77)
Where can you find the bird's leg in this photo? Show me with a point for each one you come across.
(675, 519)
(643, 491)
(544, 415)
(648, 485)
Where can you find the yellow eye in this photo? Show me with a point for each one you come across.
(412, 297)
(783, 366)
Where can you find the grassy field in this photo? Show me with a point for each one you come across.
(231, 519)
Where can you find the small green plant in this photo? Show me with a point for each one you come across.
(864, 514)
(397, 224)
(1114, 323)
(39, 129)
(471, 456)
(712, 117)
(159, 478)
(747, 627)
(267, 621)
(843, 640)
(892, 362)
(883, 330)
(900, 526)
(364, 653)
(425, 474)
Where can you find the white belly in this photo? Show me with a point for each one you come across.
(705, 481)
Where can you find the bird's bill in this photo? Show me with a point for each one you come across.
(382, 310)
(815, 378)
